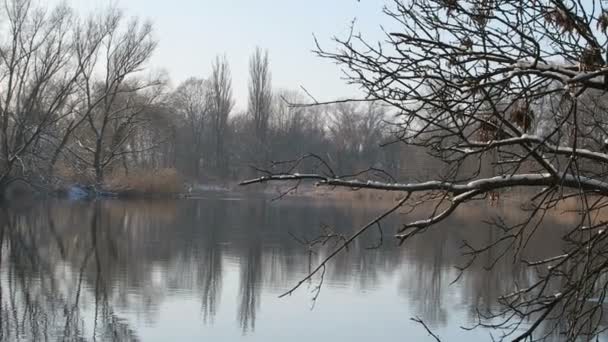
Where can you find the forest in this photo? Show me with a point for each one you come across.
(80, 105)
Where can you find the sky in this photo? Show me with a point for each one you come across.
(192, 32)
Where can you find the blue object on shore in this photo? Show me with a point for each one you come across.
(77, 192)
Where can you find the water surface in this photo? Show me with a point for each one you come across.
(212, 269)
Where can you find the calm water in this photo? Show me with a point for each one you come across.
(212, 269)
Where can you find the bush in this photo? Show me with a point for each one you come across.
(162, 181)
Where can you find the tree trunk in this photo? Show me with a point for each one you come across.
(97, 162)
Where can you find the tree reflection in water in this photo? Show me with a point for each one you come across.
(210, 258)
(78, 270)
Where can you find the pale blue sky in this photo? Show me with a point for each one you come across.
(192, 32)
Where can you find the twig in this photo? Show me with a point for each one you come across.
(344, 245)
(421, 322)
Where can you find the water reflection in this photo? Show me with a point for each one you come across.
(123, 271)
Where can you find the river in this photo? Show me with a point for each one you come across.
(213, 269)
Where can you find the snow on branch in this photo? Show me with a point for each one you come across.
(482, 184)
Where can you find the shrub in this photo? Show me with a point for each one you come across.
(161, 181)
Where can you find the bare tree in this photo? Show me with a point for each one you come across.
(260, 98)
(111, 107)
(222, 104)
(293, 129)
(287, 118)
(498, 90)
(356, 132)
(192, 100)
(38, 76)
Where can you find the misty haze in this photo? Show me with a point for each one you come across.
(358, 170)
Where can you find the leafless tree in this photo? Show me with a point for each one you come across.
(284, 117)
(296, 130)
(499, 91)
(222, 104)
(356, 132)
(260, 98)
(38, 76)
(192, 100)
(112, 106)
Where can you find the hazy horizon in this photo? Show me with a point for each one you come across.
(191, 33)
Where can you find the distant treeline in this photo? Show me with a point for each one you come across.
(78, 103)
